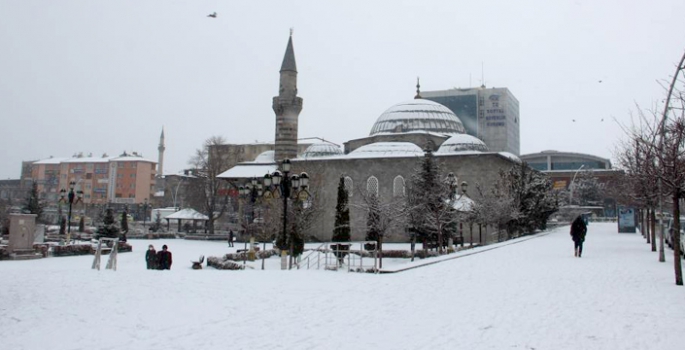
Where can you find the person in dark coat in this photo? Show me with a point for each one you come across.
(164, 259)
(151, 257)
(578, 231)
(230, 238)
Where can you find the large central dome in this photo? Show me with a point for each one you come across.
(418, 115)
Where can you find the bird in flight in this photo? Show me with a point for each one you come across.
(213, 15)
(574, 120)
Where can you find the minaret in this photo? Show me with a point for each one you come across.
(160, 161)
(287, 107)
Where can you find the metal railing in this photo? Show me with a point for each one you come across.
(351, 255)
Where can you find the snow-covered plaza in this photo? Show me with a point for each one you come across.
(525, 294)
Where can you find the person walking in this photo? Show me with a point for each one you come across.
(230, 238)
(164, 259)
(578, 231)
(151, 257)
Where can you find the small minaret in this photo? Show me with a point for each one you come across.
(160, 160)
(287, 107)
(418, 89)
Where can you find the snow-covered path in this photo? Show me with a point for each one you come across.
(529, 295)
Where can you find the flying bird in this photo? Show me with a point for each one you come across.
(600, 81)
(213, 15)
(574, 120)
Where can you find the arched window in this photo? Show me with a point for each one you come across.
(372, 185)
(398, 186)
(349, 186)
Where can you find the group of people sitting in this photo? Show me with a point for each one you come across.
(158, 260)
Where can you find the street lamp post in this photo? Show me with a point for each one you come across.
(251, 192)
(285, 184)
(70, 196)
(144, 214)
(570, 194)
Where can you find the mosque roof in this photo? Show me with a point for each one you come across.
(418, 114)
(248, 171)
(387, 149)
(462, 142)
(321, 150)
(266, 157)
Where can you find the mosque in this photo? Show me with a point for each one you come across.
(381, 163)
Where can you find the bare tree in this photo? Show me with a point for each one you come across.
(203, 190)
(382, 217)
(663, 141)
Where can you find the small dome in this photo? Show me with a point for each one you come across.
(265, 157)
(321, 150)
(418, 115)
(387, 149)
(461, 143)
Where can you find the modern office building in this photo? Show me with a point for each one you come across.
(490, 114)
(555, 160)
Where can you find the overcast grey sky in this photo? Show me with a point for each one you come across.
(106, 76)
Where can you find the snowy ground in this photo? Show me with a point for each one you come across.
(529, 295)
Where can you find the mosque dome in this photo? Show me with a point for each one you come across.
(321, 150)
(387, 149)
(265, 157)
(418, 115)
(462, 143)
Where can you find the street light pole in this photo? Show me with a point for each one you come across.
(283, 182)
(70, 198)
(144, 213)
(251, 191)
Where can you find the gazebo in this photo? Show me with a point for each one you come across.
(186, 214)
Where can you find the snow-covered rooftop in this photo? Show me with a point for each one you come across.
(51, 161)
(510, 156)
(462, 142)
(248, 170)
(266, 157)
(418, 114)
(387, 149)
(321, 150)
(187, 214)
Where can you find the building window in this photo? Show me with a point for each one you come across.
(133, 175)
(372, 185)
(349, 186)
(398, 187)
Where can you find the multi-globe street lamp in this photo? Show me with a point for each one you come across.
(288, 186)
(251, 192)
(70, 196)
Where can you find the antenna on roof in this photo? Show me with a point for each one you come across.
(482, 75)
(291, 31)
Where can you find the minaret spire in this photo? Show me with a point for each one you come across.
(160, 160)
(287, 106)
(418, 89)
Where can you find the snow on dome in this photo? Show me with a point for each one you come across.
(387, 149)
(265, 157)
(321, 150)
(461, 143)
(418, 114)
